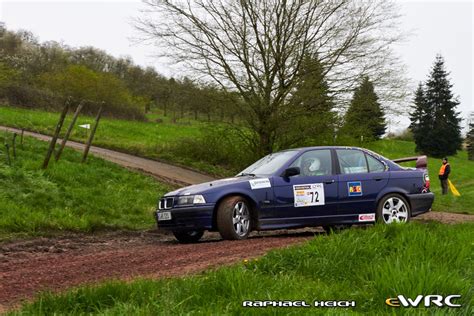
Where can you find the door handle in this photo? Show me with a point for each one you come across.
(377, 178)
(329, 181)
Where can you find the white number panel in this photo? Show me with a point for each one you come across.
(308, 194)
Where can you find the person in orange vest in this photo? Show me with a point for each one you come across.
(444, 172)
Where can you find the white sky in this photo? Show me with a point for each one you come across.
(444, 27)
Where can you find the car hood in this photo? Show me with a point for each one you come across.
(206, 187)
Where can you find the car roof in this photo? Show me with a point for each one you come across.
(324, 147)
(365, 150)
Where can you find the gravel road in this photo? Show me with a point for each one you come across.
(163, 171)
(30, 266)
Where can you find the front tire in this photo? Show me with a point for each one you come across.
(393, 208)
(188, 237)
(233, 218)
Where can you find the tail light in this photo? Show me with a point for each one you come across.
(426, 180)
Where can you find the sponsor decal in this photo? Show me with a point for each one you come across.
(354, 188)
(260, 183)
(308, 194)
(366, 217)
(330, 304)
(423, 300)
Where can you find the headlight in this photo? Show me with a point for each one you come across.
(199, 199)
(191, 199)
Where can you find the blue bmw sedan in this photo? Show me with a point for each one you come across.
(331, 187)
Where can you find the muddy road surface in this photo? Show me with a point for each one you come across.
(30, 266)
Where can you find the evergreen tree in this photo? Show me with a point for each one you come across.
(310, 116)
(421, 119)
(440, 123)
(365, 116)
(470, 140)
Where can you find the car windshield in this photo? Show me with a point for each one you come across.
(269, 164)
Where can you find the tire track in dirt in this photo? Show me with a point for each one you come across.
(28, 267)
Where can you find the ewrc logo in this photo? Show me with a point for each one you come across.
(428, 300)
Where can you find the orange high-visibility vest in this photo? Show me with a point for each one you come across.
(441, 170)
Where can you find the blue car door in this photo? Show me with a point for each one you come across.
(361, 178)
(311, 195)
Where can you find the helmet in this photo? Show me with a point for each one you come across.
(312, 164)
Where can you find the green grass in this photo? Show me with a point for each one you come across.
(154, 140)
(365, 265)
(147, 139)
(69, 195)
(462, 175)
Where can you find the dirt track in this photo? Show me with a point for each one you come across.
(163, 171)
(27, 267)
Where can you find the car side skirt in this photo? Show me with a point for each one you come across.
(301, 222)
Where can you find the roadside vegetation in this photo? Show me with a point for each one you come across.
(365, 265)
(462, 175)
(211, 149)
(69, 195)
(146, 139)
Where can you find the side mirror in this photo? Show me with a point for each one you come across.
(290, 172)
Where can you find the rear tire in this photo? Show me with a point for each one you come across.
(234, 220)
(393, 208)
(188, 237)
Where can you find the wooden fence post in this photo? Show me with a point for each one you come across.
(69, 130)
(21, 138)
(91, 136)
(14, 145)
(52, 144)
(7, 147)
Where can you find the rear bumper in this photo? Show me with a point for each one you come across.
(420, 203)
(190, 218)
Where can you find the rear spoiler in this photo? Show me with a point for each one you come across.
(421, 161)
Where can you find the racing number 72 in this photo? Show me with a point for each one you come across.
(314, 196)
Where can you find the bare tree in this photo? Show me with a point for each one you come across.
(257, 48)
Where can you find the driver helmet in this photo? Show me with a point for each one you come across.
(312, 164)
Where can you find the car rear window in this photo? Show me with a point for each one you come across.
(374, 164)
(351, 161)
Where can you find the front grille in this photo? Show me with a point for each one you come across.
(166, 203)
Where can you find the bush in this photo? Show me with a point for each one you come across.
(31, 97)
(217, 145)
(406, 135)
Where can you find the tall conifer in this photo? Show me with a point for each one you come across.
(365, 116)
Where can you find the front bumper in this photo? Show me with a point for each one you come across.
(187, 218)
(421, 203)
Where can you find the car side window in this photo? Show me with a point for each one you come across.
(314, 163)
(351, 161)
(374, 164)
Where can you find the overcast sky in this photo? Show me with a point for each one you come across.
(444, 27)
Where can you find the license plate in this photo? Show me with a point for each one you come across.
(164, 216)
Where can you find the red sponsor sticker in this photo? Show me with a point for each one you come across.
(366, 217)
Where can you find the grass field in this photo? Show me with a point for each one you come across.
(153, 140)
(146, 139)
(365, 265)
(70, 196)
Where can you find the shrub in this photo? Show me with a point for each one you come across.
(217, 145)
